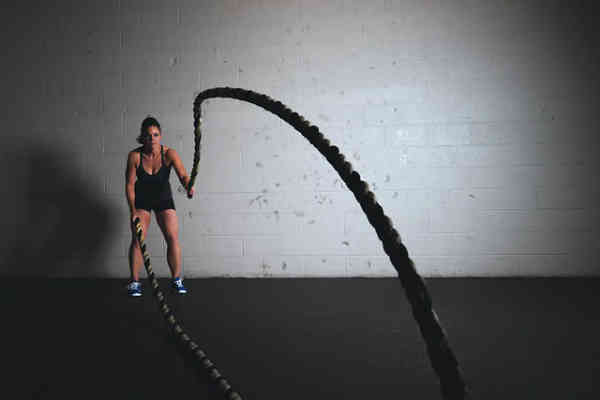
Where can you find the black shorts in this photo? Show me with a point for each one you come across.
(157, 206)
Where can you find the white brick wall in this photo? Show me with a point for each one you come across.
(472, 123)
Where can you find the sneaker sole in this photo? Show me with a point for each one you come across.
(135, 295)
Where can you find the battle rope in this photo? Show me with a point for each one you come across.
(176, 328)
(442, 358)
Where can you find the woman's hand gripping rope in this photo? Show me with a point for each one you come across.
(190, 192)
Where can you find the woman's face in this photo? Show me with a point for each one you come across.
(153, 136)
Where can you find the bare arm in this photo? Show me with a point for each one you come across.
(130, 182)
(184, 179)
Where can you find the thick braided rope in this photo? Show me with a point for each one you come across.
(444, 363)
(199, 355)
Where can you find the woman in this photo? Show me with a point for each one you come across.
(151, 164)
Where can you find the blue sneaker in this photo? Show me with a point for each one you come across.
(178, 286)
(134, 289)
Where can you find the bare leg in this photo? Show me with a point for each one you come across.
(135, 252)
(167, 220)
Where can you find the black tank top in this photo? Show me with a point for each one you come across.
(155, 186)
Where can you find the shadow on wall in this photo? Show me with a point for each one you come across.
(55, 222)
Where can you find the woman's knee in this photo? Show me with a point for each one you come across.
(134, 238)
(172, 238)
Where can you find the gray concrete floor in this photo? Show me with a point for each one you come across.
(299, 339)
